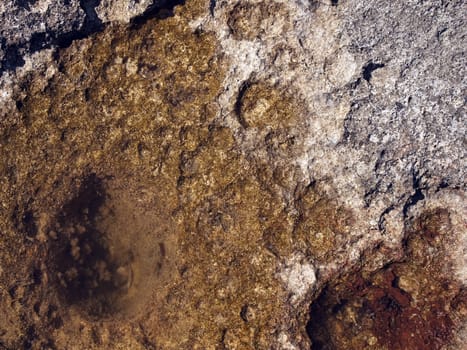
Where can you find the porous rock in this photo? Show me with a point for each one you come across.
(233, 174)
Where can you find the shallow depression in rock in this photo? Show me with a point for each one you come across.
(107, 253)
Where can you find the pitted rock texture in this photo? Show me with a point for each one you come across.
(234, 175)
(29, 26)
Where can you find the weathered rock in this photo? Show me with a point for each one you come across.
(28, 26)
(234, 174)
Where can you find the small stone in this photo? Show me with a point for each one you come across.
(122, 277)
(372, 340)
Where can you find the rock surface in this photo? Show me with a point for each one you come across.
(233, 174)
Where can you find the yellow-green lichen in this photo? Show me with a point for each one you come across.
(135, 108)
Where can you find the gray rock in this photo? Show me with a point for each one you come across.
(408, 107)
(28, 26)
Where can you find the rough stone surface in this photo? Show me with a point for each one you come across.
(121, 10)
(29, 26)
(233, 175)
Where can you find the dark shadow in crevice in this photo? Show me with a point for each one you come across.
(369, 68)
(25, 4)
(212, 7)
(92, 23)
(12, 58)
(160, 9)
(14, 54)
(417, 195)
(239, 102)
(316, 327)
